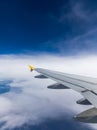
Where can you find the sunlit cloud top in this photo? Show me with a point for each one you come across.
(29, 101)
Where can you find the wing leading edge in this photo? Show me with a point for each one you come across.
(85, 85)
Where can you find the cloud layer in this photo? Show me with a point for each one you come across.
(29, 101)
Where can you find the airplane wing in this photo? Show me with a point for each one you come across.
(85, 85)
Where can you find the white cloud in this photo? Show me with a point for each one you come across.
(35, 102)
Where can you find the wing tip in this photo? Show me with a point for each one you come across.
(31, 68)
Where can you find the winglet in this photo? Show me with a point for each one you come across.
(31, 68)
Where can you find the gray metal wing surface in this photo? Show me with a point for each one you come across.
(87, 86)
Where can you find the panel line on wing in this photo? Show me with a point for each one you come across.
(63, 80)
(66, 75)
(66, 79)
(74, 78)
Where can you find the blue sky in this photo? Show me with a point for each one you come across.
(62, 27)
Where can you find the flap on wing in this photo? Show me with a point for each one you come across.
(91, 96)
(88, 116)
(57, 86)
(41, 76)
